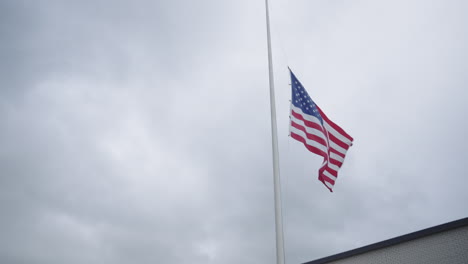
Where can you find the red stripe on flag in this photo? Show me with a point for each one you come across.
(323, 178)
(337, 141)
(309, 147)
(337, 152)
(307, 122)
(331, 171)
(335, 126)
(336, 162)
(309, 136)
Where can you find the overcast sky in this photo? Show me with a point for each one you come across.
(139, 131)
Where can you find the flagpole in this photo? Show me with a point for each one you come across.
(274, 141)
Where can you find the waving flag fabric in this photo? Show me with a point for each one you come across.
(319, 134)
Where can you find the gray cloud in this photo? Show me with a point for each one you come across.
(140, 131)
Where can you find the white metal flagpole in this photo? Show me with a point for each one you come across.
(274, 141)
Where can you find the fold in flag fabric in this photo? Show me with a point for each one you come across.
(319, 134)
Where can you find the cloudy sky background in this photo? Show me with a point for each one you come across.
(139, 131)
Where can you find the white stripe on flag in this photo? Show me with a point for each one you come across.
(329, 185)
(338, 135)
(336, 157)
(326, 173)
(333, 167)
(308, 141)
(309, 130)
(333, 145)
(305, 116)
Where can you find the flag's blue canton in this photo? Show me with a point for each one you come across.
(301, 99)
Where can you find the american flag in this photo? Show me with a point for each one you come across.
(319, 134)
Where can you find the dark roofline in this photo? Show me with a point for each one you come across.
(393, 241)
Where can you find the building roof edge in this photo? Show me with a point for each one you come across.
(393, 241)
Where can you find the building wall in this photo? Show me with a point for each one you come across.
(449, 247)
